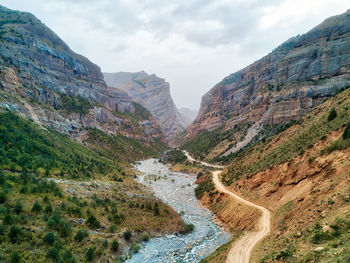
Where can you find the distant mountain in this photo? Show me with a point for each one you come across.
(153, 93)
(42, 79)
(187, 116)
(282, 86)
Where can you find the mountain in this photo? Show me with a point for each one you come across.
(187, 115)
(302, 176)
(44, 80)
(153, 93)
(282, 86)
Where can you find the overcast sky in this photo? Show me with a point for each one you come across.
(193, 44)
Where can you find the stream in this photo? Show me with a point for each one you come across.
(177, 190)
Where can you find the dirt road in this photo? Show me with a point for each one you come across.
(241, 250)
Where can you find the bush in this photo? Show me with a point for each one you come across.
(93, 222)
(36, 207)
(15, 257)
(68, 256)
(90, 254)
(49, 238)
(53, 254)
(14, 234)
(18, 208)
(346, 134)
(3, 198)
(48, 209)
(115, 245)
(146, 237)
(81, 234)
(127, 235)
(332, 114)
(189, 228)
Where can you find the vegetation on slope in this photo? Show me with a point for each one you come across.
(120, 147)
(294, 141)
(205, 141)
(28, 147)
(45, 216)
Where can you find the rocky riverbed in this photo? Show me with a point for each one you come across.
(177, 189)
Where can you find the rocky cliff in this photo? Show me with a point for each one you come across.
(282, 86)
(44, 80)
(154, 94)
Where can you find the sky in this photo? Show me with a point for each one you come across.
(193, 44)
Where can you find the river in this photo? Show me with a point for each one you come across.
(177, 190)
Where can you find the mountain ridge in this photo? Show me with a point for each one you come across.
(154, 94)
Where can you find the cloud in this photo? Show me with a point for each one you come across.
(193, 44)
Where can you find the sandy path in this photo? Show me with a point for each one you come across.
(241, 250)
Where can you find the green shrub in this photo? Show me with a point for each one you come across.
(146, 237)
(36, 207)
(346, 134)
(53, 254)
(332, 114)
(90, 254)
(3, 197)
(49, 238)
(18, 207)
(115, 245)
(48, 209)
(81, 234)
(189, 228)
(93, 222)
(14, 234)
(127, 235)
(15, 257)
(8, 219)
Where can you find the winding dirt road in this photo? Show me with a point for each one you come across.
(241, 250)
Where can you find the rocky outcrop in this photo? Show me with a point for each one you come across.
(154, 94)
(284, 85)
(43, 79)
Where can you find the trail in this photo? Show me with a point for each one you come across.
(241, 250)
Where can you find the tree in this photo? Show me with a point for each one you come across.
(3, 197)
(81, 234)
(49, 238)
(90, 254)
(18, 208)
(15, 257)
(36, 207)
(332, 114)
(14, 234)
(115, 245)
(53, 254)
(93, 222)
(127, 235)
(346, 134)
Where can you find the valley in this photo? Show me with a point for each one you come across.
(105, 167)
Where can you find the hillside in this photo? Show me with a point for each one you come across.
(63, 202)
(153, 93)
(301, 175)
(44, 80)
(279, 88)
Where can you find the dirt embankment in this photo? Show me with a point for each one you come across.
(312, 187)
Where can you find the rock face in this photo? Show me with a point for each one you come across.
(284, 85)
(154, 94)
(43, 79)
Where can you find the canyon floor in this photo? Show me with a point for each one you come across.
(241, 250)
